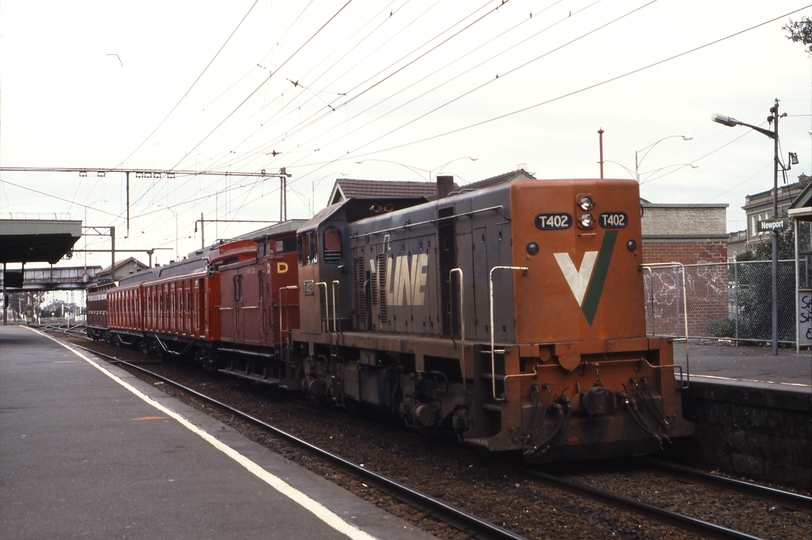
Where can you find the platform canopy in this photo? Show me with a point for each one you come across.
(37, 240)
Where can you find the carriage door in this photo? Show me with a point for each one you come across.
(450, 302)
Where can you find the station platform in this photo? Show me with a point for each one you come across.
(87, 450)
(746, 365)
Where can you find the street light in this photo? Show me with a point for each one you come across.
(638, 162)
(774, 116)
(635, 175)
(677, 165)
(413, 169)
(441, 167)
(416, 169)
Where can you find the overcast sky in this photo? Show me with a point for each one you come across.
(406, 86)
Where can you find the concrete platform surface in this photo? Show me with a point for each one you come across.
(747, 365)
(87, 450)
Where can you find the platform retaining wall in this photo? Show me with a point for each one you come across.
(747, 430)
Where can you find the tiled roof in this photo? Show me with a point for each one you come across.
(121, 263)
(349, 188)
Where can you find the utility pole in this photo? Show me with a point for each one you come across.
(772, 119)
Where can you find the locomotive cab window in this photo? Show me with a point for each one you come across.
(286, 245)
(332, 245)
(307, 246)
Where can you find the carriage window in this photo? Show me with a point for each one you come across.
(286, 245)
(237, 288)
(332, 245)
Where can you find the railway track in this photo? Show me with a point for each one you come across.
(456, 517)
(776, 496)
(432, 504)
(703, 528)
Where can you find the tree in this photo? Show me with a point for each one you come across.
(800, 31)
(804, 180)
(763, 251)
(754, 291)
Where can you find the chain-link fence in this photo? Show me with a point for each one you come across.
(729, 301)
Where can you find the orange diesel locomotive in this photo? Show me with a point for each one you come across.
(512, 316)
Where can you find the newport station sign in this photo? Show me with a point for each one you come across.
(775, 224)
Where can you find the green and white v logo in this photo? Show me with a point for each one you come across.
(586, 283)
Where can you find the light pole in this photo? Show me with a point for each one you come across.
(313, 185)
(177, 252)
(773, 119)
(647, 149)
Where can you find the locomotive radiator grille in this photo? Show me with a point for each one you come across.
(360, 297)
(381, 260)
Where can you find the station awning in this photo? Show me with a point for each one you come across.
(37, 240)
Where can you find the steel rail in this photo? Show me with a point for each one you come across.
(456, 517)
(690, 524)
(756, 490)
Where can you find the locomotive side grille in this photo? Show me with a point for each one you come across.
(360, 297)
(381, 259)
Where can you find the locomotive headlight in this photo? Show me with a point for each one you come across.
(587, 220)
(585, 202)
(532, 248)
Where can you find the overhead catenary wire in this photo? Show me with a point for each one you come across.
(250, 152)
(580, 90)
(244, 101)
(348, 92)
(255, 90)
(436, 135)
(486, 83)
(191, 87)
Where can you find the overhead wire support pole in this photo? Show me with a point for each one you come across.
(128, 204)
(145, 173)
(202, 221)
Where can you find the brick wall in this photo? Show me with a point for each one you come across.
(706, 295)
(686, 252)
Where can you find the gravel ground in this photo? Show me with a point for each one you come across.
(518, 503)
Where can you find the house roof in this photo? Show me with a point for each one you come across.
(801, 208)
(349, 188)
(122, 263)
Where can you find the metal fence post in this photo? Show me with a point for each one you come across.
(736, 292)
